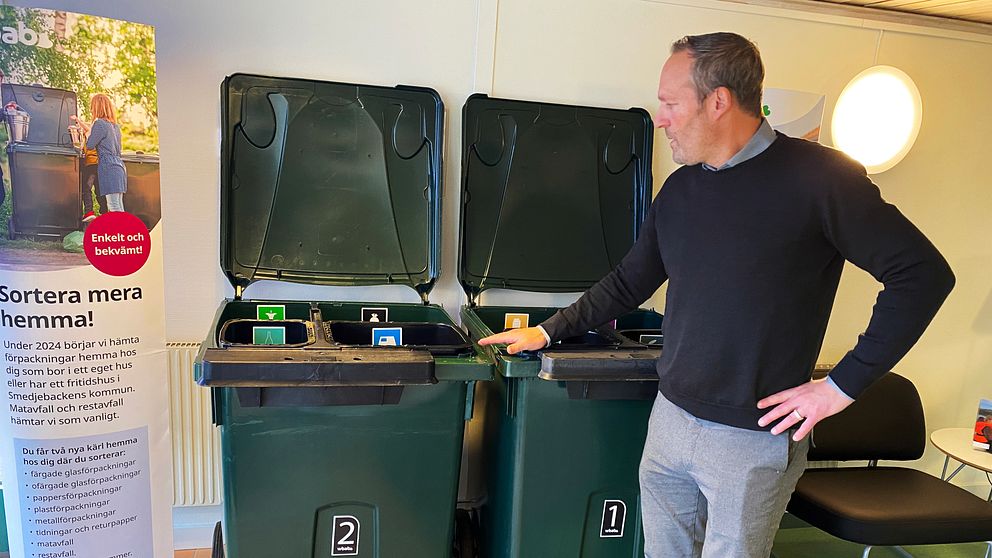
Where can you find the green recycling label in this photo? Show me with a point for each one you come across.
(268, 335)
(271, 311)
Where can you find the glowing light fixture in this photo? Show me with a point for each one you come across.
(877, 117)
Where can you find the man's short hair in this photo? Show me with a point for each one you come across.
(725, 60)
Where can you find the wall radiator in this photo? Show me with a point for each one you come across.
(195, 441)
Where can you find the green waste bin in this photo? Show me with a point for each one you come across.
(553, 198)
(341, 423)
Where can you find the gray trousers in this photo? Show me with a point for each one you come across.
(714, 491)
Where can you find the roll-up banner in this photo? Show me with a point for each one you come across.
(85, 450)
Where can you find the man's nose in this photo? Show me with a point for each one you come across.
(660, 121)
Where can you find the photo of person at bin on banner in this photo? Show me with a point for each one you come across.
(104, 136)
(751, 234)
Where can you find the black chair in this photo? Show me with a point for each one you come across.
(885, 506)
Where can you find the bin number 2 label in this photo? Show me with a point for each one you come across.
(614, 517)
(344, 535)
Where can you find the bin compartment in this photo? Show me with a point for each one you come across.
(640, 319)
(494, 317)
(297, 333)
(588, 340)
(650, 337)
(425, 326)
(642, 326)
(438, 339)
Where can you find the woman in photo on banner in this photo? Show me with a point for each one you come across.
(104, 135)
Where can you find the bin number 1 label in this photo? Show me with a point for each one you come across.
(614, 517)
(344, 535)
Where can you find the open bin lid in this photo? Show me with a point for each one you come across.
(330, 183)
(48, 108)
(553, 195)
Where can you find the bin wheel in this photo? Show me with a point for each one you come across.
(465, 535)
(218, 545)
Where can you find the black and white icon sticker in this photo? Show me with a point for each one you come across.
(344, 535)
(375, 314)
(614, 517)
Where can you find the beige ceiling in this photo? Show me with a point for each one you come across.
(979, 11)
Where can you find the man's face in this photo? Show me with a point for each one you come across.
(680, 113)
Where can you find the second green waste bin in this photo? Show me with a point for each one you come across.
(341, 423)
(553, 197)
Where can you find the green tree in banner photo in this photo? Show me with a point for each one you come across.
(90, 55)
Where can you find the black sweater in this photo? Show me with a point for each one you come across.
(753, 255)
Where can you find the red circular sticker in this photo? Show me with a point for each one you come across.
(117, 243)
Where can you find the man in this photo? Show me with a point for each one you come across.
(751, 234)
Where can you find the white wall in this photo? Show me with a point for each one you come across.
(599, 52)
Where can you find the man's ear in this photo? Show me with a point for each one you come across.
(721, 100)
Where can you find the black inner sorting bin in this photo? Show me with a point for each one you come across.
(638, 335)
(639, 323)
(439, 339)
(588, 340)
(600, 338)
(241, 332)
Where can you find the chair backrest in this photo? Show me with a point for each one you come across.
(886, 422)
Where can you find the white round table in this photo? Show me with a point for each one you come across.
(956, 443)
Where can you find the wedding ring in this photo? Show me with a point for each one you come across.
(795, 413)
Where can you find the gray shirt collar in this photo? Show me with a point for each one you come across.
(758, 143)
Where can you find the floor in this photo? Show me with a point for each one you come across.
(803, 543)
(797, 539)
(813, 543)
(794, 540)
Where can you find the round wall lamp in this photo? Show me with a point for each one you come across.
(877, 117)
